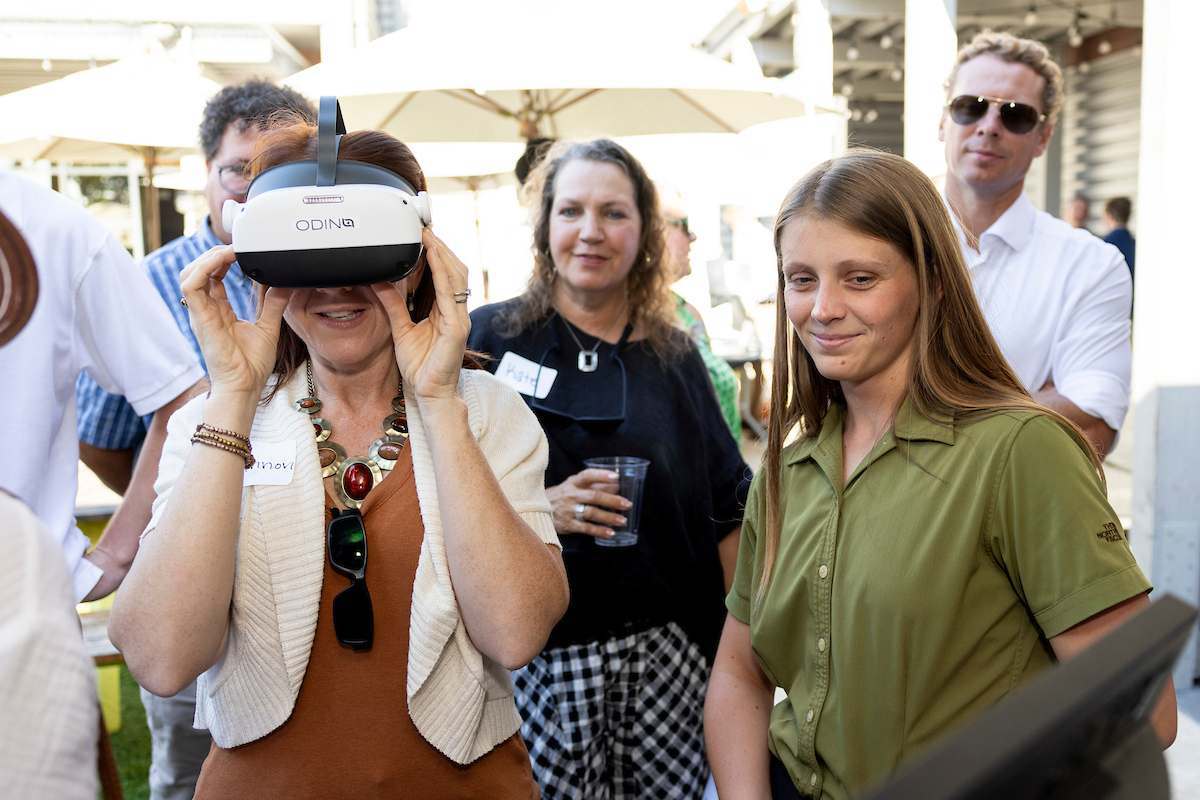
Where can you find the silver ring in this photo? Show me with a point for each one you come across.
(579, 509)
(461, 297)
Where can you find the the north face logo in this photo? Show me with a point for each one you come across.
(1110, 533)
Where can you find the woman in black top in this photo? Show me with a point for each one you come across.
(613, 706)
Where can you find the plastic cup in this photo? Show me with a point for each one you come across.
(631, 479)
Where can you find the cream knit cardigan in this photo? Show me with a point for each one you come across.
(459, 699)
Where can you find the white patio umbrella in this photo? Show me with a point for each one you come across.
(469, 167)
(145, 106)
(512, 82)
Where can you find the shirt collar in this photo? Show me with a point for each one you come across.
(910, 425)
(1014, 227)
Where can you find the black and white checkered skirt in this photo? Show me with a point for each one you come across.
(618, 719)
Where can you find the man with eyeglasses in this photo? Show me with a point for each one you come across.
(1056, 298)
(111, 432)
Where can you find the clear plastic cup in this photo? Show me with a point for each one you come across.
(631, 480)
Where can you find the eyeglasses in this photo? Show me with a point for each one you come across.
(353, 617)
(1018, 118)
(232, 178)
(681, 223)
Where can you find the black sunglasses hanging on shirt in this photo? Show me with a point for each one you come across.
(353, 617)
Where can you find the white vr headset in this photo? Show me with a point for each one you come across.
(327, 222)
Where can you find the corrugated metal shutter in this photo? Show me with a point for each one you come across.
(1102, 131)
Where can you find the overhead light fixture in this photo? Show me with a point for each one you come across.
(856, 114)
(852, 51)
(886, 41)
(1074, 37)
(47, 65)
(870, 116)
(847, 89)
(897, 74)
(1105, 46)
(1085, 67)
(1031, 16)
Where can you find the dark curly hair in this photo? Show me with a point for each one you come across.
(255, 102)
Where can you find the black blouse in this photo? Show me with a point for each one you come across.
(634, 405)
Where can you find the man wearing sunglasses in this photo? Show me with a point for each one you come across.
(111, 433)
(1057, 299)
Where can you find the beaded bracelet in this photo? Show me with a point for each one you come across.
(228, 445)
(203, 426)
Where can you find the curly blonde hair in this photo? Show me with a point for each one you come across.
(1014, 50)
(648, 284)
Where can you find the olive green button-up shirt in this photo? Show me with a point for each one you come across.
(925, 589)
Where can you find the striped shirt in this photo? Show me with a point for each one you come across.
(108, 420)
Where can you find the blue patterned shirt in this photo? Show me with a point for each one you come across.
(108, 420)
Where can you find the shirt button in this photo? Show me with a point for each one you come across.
(809, 718)
(813, 780)
(823, 571)
(821, 645)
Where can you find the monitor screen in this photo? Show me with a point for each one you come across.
(1074, 731)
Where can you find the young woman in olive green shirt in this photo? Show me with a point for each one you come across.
(929, 538)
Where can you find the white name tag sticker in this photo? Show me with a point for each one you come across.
(274, 463)
(525, 376)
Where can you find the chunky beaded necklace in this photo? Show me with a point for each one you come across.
(357, 475)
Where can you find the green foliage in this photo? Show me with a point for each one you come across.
(100, 188)
(131, 744)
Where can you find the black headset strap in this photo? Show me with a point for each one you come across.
(330, 128)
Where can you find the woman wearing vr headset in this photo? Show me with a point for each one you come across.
(324, 673)
(929, 538)
(612, 707)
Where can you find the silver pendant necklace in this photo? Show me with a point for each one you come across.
(590, 359)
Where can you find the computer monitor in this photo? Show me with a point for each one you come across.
(1080, 730)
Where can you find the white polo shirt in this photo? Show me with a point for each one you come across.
(96, 311)
(1057, 299)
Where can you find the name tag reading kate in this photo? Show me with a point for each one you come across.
(526, 377)
(274, 463)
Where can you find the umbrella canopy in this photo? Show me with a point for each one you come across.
(107, 114)
(146, 106)
(487, 83)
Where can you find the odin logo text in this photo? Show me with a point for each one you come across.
(323, 224)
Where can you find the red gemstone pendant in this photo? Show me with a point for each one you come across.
(357, 481)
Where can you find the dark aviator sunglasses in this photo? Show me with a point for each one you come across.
(1018, 118)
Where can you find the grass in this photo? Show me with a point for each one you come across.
(131, 744)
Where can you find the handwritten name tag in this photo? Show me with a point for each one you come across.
(274, 463)
(525, 376)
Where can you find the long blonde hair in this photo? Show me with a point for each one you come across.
(957, 368)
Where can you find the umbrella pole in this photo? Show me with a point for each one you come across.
(151, 222)
(473, 183)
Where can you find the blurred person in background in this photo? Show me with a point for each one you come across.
(49, 716)
(1078, 211)
(111, 434)
(1116, 218)
(1056, 299)
(612, 706)
(679, 264)
(261, 591)
(929, 538)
